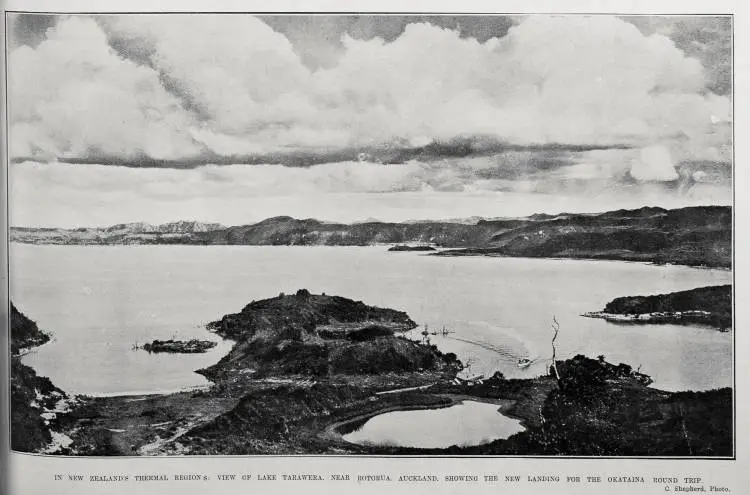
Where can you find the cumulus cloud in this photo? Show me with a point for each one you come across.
(72, 97)
(707, 38)
(654, 163)
(181, 87)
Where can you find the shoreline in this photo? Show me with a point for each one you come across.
(445, 253)
(293, 410)
(440, 252)
(332, 431)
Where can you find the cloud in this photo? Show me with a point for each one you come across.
(318, 38)
(192, 88)
(71, 96)
(234, 69)
(28, 29)
(707, 38)
(654, 163)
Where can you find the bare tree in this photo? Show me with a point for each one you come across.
(467, 365)
(556, 328)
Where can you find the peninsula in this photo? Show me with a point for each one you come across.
(710, 306)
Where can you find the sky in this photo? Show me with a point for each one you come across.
(236, 118)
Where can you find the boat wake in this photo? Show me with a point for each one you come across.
(503, 351)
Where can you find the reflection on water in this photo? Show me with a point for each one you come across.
(464, 424)
(100, 300)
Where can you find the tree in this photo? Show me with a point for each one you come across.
(556, 328)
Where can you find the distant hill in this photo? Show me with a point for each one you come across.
(179, 227)
(276, 231)
(698, 236)
(179, 232)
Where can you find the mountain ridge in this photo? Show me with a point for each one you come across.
(696, 236)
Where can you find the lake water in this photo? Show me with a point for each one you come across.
(463, 424)
(100, 300)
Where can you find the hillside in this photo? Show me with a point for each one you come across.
(698, 236)
(32, 397)
(24, 333)
(598, 409)
(603, 409)
(292, 232)
(319, 335)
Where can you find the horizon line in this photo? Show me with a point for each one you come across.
(454, 220)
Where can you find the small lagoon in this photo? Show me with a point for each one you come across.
(464, 424)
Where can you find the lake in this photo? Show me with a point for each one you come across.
(463, 424)
(99, 301)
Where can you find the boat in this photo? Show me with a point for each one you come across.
(477, 377)
(444, 332)
(524, 362)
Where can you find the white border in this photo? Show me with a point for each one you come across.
(34, 474)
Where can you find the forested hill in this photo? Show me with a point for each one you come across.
(700, 236)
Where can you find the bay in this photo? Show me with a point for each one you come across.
(99, 301)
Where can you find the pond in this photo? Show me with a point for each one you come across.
(464, 424)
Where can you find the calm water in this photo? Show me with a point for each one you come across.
(99, 301)
(463, 424)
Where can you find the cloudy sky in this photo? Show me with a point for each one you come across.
(235, 118)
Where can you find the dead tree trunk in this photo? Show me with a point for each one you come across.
(681, 414)
(556, 328)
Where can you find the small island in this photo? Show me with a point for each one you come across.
(711, 306)
(403, 247)
(192, 346)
